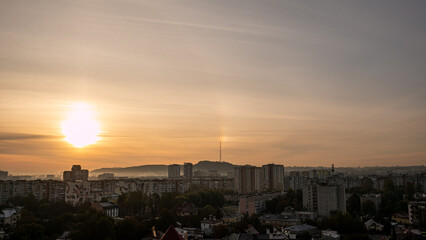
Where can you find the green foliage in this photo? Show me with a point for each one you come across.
(368, 207)
(129, 229)
(367, 185)
(354, 204)
(343, 223)
(290, 199)
(166, 218)
(409, 191)
(220, 231)
(29, 231)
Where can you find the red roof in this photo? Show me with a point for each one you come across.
(172, 234)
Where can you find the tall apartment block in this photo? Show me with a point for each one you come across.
(245, 179)
(322, 198)
(3, 175)
(173, 171)
(75, 174)
(187, 171)
(417, 213)
(273, 177)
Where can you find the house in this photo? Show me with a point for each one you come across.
(373, 226)
(109, 208)
(330, 235)
(65, 236)
(208, 224)
(401, 218)
(231, 219)
(10, 216)
(186, 209)
(171, 234)
(277, 220)
(293, 231)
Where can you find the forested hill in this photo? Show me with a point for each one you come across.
(161, 170)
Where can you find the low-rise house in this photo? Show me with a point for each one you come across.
(208, 224)
(277, 220)
(171, 234)
(304, 215)
(373, 226)
(10, 216)
(330, 235)
(186, 209)
(65, 236)
(401, 218)
(234, 218)
(110, 209)
(294, 231)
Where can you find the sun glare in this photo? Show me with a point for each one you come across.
(81, 129)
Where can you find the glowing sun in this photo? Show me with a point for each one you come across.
(81, 129)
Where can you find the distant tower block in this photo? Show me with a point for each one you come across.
(188, 171)
(332, 169)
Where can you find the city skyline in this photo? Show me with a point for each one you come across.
(292, 83)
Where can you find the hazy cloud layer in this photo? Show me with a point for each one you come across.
(291, 82)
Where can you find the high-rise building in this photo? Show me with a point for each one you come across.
(174, 171)
(245, 179)
(75, 174)
(375, 198)
(187, 171)
(417, 213)
(273, 177)
(323, 198)
(3, 175)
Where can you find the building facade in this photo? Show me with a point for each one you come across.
(323, 199)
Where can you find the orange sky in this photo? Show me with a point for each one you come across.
(283, 82)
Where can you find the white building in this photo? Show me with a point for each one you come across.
(330, 235)
(324, 198)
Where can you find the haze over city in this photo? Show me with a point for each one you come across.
(128, 83)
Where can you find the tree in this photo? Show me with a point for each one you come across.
(220, 231)
(367, 185)
(409, 191)
(129, 229)
(388, 185)
(166, 218)
(354, 204)
(368, 207)
(29, 231)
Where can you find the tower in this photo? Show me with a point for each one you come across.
(220, 151)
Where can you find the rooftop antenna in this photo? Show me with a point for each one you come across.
(220, 151)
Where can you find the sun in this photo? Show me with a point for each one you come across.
(81, 129)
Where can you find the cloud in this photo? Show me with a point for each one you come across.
(24, 136)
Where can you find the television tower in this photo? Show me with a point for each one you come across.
(220, 151)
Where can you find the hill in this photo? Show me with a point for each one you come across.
(161, 170)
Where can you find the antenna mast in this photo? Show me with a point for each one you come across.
(220, 151)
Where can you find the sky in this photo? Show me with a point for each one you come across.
(298, 83)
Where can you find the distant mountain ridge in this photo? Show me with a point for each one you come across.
(161, 170)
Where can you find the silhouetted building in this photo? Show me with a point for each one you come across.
(3, 175)
(273, 177)
(187, 171)
(174, 171)
(75, 174)
(245, 179)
